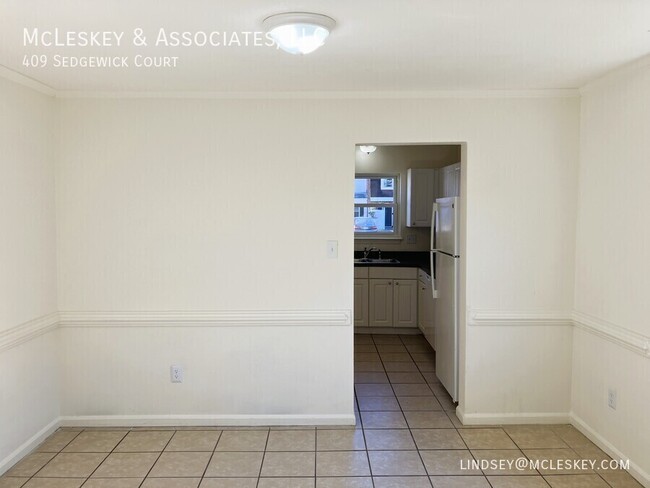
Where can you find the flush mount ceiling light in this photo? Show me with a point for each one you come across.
(299, 32)
(368, 149)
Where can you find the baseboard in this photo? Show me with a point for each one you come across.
(388, 330)
(29, 445)
(203, 420)
(635, 470)
(512, 418)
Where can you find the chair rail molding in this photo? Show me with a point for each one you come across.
(170, 318)
(622, 336)
(616, 334)
(478, 317)
(28, 330)
(208, 318)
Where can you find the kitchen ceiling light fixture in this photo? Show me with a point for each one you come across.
(299, 32)
(368, 149)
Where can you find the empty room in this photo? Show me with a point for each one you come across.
(310, 244)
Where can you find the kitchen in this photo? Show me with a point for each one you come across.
(406, 276)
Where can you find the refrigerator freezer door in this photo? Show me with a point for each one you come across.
(445, 320)
(447, 226)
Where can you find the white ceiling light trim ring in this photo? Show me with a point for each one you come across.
(299, 32)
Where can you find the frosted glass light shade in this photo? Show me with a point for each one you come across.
(368, 149)
(299, 33)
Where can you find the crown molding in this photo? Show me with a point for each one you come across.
(615, 75)
(323, 95)
(41, 87)
(24, 80)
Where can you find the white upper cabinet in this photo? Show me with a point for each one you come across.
(420, 195)
(449, 181)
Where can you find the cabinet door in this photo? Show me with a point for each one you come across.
(360, 303)
(380, 303)
(450, 181)
(425, 312)
(420, 194)
(422, 313)
(405, 306)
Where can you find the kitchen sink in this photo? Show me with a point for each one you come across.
(376, 261)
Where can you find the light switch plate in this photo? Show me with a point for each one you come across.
(332, 249)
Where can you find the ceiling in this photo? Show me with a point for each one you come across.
(377, 45)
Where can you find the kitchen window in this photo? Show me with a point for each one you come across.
(376, 206)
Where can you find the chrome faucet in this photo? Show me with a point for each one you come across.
(367, 251)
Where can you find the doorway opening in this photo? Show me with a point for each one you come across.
(409, 286)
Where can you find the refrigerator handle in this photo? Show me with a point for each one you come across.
(434, 290)
(434, 222)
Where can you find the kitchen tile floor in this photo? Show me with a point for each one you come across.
(407, 436)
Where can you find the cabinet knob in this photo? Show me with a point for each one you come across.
(397, 282)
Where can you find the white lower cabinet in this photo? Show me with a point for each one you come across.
(360, 302)
(381, 303)
(392, 297)
(360, 297)
(425, 307)
(405, 303)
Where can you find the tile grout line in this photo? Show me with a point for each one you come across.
(106, 457)
(363, 429)
(316, 449)
(521, 449)
(144, 480)
(400, 406)
(29, 478)
(402, 410)
(456, 429)
(266, 445)
(469, 451)
(214, 449)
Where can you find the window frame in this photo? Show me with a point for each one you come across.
(395, 205)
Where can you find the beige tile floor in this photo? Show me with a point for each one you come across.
(407, 436)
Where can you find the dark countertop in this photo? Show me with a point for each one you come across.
(407, 259)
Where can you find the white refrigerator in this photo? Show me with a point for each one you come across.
(445, 256)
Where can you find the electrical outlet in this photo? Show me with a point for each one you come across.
(411, 239)
(176, 374)
(611, 398)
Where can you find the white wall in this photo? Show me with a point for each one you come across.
(195, 205)
(169, 205)
(520, 255)
(29, 391)
(613, 261)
